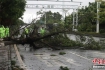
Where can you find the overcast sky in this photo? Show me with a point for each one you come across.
(30, 14)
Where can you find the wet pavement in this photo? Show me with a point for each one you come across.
(4, 60)
(47, 59)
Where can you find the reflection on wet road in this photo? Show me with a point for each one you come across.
(45, 59)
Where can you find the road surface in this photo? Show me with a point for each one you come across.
(74, 59)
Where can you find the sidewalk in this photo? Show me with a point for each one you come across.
(3, 56)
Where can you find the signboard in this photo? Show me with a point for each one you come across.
(51, 6)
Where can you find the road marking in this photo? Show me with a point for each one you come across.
(80, 56)
(40, 57)
(71, 61)
(53, 61)
(57, 63)
(47, 63)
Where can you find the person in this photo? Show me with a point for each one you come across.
(26, 32)
(0, 32)
(42, 31)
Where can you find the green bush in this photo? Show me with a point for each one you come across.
(92, 45)
(52, 55)
(64, 68)
(13, 62)
(63, 41)
(102, 30)
(62, 53)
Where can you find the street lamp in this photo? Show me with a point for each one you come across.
(75, 19)
(98, 6)
(45, 18)
(65, 11)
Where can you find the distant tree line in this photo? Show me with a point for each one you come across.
(88, 16)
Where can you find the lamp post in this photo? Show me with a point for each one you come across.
(65, 11)
(45, 18)
(73, 19)
(98, 16)
(97, 23)
(43, 13)
(76, 18)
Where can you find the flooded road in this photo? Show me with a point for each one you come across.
(47, 59)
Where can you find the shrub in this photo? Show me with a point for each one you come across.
(62, 53)
(13, 62)
(92, 44)
(52, 55)
(64, 68)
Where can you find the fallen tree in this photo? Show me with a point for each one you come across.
(33, 37)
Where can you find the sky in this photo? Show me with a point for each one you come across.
(30, 14)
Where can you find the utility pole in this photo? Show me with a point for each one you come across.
(76, 18)
(73, 19)
(97, 24)
(45, 18)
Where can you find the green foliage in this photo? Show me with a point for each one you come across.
(64, 68)
(62, 41)
(14, 66)
(92, 44)
(87, 17)
(90, 68)
(66, 42)
(82, 38)
(11, 11)
(38, 54)
(62, 53)
(13, 28)
(84, 27)
(52, 55)
(13, 62)
(51, 17)
(102, 43)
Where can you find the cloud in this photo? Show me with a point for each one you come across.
(27, 18)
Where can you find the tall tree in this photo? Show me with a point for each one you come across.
(102, 17)
(51, 17)
(11, 11)
(87, 17)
